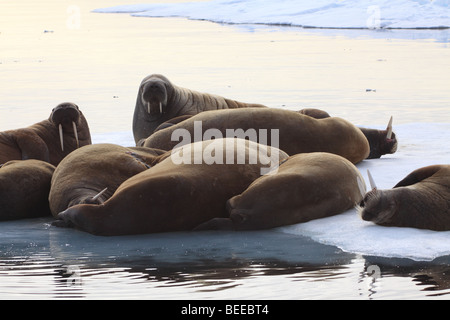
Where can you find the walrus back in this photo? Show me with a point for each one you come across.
(288, 130)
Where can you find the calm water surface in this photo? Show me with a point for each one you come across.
(46, 59)
(52, 263)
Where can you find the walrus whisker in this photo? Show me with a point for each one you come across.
(76, 133)
(99, 194)
(372, 182)
(389, 129)
(61, 136)
(359, 210)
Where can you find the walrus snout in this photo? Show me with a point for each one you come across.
(65, 113)
(389, 144)
(154, 97)
(376, 206)
(65, 117)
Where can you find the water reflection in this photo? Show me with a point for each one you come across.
(68, 264)
(431, 277)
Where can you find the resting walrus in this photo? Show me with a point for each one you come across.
(381, 141)
(186, 189)
(158, 100)
(24, 188)
(293, 132)
(421, 200)
(49, 140)
(86, 172)
(306, 186)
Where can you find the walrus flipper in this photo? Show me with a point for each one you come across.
(32, 146)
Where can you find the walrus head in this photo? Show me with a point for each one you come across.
(381, 141)
(377, 205)
(389, 143)
(154, 94)
(65, 117)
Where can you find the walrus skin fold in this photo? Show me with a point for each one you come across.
(158, 100)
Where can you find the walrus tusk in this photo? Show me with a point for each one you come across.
(148, 107)
(76, 133)
(361, 186)
(372, 182)
(61, 136)
(99, 194)
(160, 107)
(389, 129)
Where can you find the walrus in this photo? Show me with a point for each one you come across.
(186, 189)
(49, 140)
(24, 188)
(293, 132)
(158, 100)
(306, 186)
(91, 174)
(420, 200)
(381, 141)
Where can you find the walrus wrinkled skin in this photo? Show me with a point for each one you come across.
(177, 196)
(158, 100)
(297, 133)
(306, 186)
(86, 172)
(50, 140)
(421, 200)
(381, 141)
(24, 188)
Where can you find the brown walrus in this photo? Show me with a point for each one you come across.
(158, 100)
(86, 172)
(179, 193)
(421, 200)
(290, 131)
(24, 188)
(50, 140)
(306, 186)
(381, 141)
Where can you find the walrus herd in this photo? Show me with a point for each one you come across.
(206, 162)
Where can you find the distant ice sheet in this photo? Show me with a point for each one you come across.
(364, 14)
